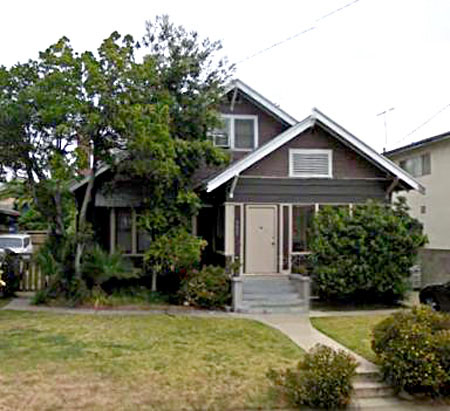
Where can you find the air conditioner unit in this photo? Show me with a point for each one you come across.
(221, 140)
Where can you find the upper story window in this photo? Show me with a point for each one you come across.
(239, 132)
(417, 166)
(310, 163)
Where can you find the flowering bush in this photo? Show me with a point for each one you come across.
(322, 379)
(413, 348)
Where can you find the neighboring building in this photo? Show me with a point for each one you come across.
(429, 162)
(8, 216)
(258, 208)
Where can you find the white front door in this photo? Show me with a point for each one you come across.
(261, 239)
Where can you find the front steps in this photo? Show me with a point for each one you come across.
(268, 294)
(368, 385)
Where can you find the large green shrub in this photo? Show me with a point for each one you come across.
(364, 255)
(207, 288)
(413, 348)
(322, 379)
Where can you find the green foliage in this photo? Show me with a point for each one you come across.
(9, 273)
(99, 266)
(174, 251)
(322, 379)
(366, 255)
(413, 349)
(55, 260)
(206, 288)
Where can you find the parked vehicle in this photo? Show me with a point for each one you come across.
(18, 243)
(437, 296)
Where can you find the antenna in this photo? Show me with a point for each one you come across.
(384, 114)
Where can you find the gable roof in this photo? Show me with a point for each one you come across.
(261, 100)
(420, 143)
(316, 117)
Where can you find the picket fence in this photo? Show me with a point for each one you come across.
(31, 277)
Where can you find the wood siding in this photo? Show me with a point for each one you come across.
(297, 190)
(268, 125)
(346, 162)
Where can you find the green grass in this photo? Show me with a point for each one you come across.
(4, 301)
(354, 332)
(49, 361)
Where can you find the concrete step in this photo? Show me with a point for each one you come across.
(372, 389)
(273, 303)
(368, 376)
(263, 294)
(269, 296)
(274, 290)
(381, 403)
(273, 310)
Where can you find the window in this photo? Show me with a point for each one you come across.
(310, 163)
(123, 234)
(130, 239)
(238, 132)
(302, 218)
(417, 166)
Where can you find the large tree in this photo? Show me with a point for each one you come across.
(66, 111)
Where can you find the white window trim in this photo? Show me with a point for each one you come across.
(233, 117)
(294, 151)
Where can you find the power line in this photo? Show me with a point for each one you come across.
(424, 123)
(300, 33)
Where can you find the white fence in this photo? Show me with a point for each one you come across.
(31, 278)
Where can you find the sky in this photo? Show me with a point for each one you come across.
(369, 57)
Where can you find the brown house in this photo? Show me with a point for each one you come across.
(258, 208)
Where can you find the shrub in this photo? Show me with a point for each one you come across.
(172, 252)
(209, 287)
(322, 379)
(413, 348)
(99, 267)
(365, 255)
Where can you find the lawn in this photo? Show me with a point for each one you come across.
(51, 361)
(4, 301)
(355, 332)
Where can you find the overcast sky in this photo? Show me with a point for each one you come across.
(369, 57)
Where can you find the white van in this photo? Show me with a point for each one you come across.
(18, 243)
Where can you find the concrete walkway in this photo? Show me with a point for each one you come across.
(299, 329)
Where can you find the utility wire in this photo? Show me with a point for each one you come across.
(307, 30)
(424, 123)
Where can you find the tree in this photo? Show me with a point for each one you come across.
(66, 111)
(365, 255)
(39, 106)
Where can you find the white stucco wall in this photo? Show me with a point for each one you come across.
(436, 200)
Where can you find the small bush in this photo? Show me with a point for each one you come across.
(207, 288)
(99, 266)
(322, 379)
(413, 348)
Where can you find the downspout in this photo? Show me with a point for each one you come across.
(233, 186)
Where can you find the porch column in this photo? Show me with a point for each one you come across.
(229, 231)
(112, 230)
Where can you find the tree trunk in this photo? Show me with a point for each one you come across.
(81, 223)
(154, 275)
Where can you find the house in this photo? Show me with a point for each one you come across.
(428, 161)
(258, 208)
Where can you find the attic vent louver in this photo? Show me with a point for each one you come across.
(310, 163)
